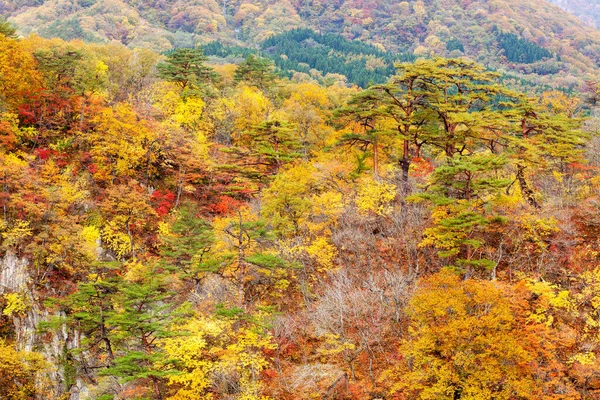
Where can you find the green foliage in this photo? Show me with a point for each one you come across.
(187, 69)
(455, 44)
(7, 29)
(302, 50)
(255, 71)
(520, 50)
(267, 261)
(461, 190)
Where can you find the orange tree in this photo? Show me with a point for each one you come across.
(472, 339)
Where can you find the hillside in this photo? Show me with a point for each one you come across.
(442, 27)
(298, 200)
(586, 10)
(172, 231)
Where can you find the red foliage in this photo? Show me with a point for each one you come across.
(225, 205)
(421, 167)
(269, 374)
(62, 160)
(162, 201)
(92, 168)
(50, 109)
(44, 153)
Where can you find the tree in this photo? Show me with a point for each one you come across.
(463, 192)
(144, 315)
(18, 74)
(187, 247)
(187, 69)
(254, 266)
(7, 29)
(217, 356)
(544, 139)
(308, 109)
(256, 71)
(471, 339)
(21, 374)
(89, 312)
(366, 114)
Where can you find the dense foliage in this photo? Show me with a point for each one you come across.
(325, 58)
(178, 229)
(521, 51)
(448, 28)
(586, 10)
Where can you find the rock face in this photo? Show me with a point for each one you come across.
(15, 278)
(13, 273)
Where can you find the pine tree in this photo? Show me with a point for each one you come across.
(7, 29)
(256, 71)
(462, 192)
(365, 115)
(187, 69)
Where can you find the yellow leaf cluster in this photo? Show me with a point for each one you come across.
(14, 234)
(323, 252)
(211, 347)
(16, 304)
(22, 374)
(375, 197)
(115, 240)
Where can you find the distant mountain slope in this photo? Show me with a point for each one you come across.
(586, 10)
(551, 41)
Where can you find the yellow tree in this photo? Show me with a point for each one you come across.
(18, 74)
(471, 339)
(307, 108)
(21, 374)
(215, 355)
(123, 146)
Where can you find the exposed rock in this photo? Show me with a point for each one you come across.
(13, 273)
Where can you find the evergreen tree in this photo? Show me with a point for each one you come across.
(366, 116)
(144, 314)
(256, 71)
(7, 29)
(462, 192)
(187, 69)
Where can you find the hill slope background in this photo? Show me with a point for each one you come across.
(205, 223)
(587, 10)
(442, 27)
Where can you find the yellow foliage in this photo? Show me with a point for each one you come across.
(211, 346)
(14, 234)
(550, 297)
(323, 252)
(115, 240)
(308, 94)
(120, 140)
(588, 358)
(538, 230)
(328, 204)
(22, 374)
(16, 304)
(287, 201)
(17, 72)
(374, 196)
(91, 235)
(466, 335)
(333, 345)
(251, 107)
(136, 271)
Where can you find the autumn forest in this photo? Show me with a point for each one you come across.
(312, 217)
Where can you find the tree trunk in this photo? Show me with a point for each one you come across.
(526, 191)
